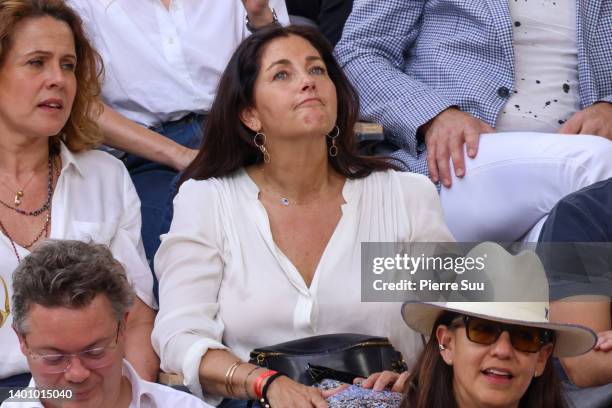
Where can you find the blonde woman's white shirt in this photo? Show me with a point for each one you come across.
(144, 394)
(225, 284)
(164, 63)
(94, 201)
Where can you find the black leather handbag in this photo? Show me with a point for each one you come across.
(334, 356)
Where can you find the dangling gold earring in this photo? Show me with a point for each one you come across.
(260, 141)
(333, 149)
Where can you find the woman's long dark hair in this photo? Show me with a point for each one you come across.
(430, 384)
(228, 143)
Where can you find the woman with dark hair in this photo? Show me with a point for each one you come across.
(52, 184)
(265, 242)
(164, 59)
(493, 354)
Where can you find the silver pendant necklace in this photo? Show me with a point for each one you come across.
(283, 199)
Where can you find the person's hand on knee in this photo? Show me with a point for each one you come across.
(594, 120)
(445, 136)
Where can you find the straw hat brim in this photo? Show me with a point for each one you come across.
(570, 339)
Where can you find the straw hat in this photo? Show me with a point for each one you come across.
(520, 278)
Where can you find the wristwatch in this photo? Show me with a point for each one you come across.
(253, 29)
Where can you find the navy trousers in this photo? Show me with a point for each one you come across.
(153, 180)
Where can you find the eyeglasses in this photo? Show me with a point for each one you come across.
(523, 338)
(91, 359)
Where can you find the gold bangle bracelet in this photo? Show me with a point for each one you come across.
(229, 374)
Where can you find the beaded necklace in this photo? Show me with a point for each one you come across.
(47, 203)
(45, 208)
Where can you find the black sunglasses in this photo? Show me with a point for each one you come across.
(523, 338)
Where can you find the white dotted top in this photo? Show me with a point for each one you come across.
(546, 66)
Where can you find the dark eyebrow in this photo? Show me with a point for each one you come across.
(279, 62)
(284, 61)
(313, 58)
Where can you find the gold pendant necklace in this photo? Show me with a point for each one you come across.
(18, 196)
(19, 193)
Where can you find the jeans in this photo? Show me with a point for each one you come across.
(152, 180)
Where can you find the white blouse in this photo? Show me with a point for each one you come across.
(161, 64)
(94, 200)
(225, 284)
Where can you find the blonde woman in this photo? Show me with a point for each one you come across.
(52, 184)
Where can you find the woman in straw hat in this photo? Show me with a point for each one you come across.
(493, 353)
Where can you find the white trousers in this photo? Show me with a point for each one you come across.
(516, 179)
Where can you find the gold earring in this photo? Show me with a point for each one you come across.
(260, 141)
(333, 149)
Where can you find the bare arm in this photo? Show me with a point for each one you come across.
(123, 134)
(259, 12)
(594, 367)
(213, 368)
(282, 393)
(138, 349)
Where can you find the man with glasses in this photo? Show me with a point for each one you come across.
(70, 305)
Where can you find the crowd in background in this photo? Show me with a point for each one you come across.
(180, 183)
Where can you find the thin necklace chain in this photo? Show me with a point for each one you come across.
(19, 192)
(284, 200)
(46, 208)
(46, 205)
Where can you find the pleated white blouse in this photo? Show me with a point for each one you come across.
(225, 284)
